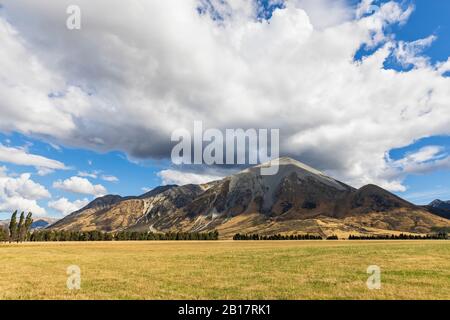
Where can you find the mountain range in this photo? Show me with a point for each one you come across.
(298, 199)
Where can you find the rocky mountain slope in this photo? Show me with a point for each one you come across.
(298, 199)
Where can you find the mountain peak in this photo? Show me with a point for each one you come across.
(287, 161)
(157, 191)
(105, 200)
(440, 208)
(439, 202)
(287, 167)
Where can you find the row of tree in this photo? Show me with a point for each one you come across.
(126, 235)
(52, 235)
(4, 234)
(436, 236)
(17, 231)
(276, 237)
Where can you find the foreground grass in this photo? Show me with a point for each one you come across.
(226, 270)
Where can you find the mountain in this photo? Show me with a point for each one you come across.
(298, 199)
(41, 223)
(38, 223)
(440, 208)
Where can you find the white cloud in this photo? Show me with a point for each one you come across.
(109, 178)
(170, 176)
(85, 174)
(20, 156)
(21, 193)
(408, 53)
(168, 66)
(81, 186)
(95, 175)
(64, 206)
(44, 171)
(422, 155)
(55, 146)
(426, 159)
(325, 13)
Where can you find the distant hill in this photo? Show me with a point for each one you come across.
(41, 223)
(38, 223)
(298, 199)
(440, 208)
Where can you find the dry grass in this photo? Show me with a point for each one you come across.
(226, 270)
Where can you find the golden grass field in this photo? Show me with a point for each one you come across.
(226, 270)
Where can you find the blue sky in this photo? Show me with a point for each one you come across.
(127, 154)
(134, 178)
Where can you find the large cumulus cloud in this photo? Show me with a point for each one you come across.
(21, 193)
(137, 70)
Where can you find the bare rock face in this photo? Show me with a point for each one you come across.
(297, 199)
(295, 187)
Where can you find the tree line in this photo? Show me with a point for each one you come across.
(54, 235)
(436, 236)
(17, 231)
(276, 237)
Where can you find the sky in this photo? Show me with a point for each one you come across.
(358, 89)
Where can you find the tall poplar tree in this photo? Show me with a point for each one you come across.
(28, 223)
(21, 227)
(13, 227)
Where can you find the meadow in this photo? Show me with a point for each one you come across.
(226, 270)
